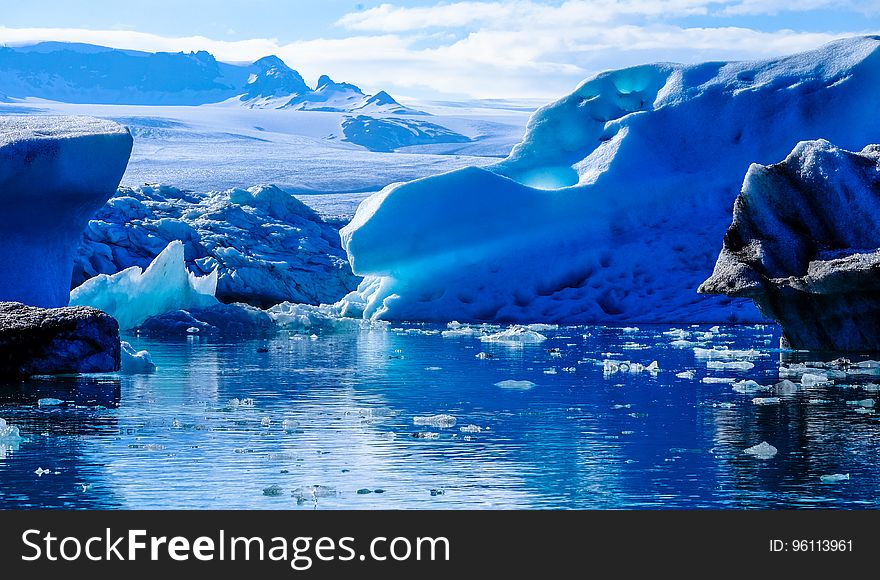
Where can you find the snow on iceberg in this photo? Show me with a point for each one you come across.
(55, 173)
(135, 362)
(134, 295)
(610, 208)
(267, 246)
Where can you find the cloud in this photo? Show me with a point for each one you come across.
(515, 48)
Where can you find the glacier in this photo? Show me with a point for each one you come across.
(265, 246)
(803, 245)
(134, 294)
(613, 206)
(55, 173)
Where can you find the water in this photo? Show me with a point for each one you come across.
(328, 422)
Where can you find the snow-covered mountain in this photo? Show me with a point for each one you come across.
(85, 73)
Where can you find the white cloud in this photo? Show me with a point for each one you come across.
(516, 48)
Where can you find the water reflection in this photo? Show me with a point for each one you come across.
(328, 422)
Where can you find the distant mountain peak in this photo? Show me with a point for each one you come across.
(271, 77)
(324, 80)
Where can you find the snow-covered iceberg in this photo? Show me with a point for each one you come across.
(804, 246)
(613, 206)
(134, 295)
(266, 246)
(55, 173)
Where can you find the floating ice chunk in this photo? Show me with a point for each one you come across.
(515, 385)
(812, 379)
(470, 428)
(785, 387)
(863, 410)
(724, 353)
(717, 380)
(49, 402)
(483, 355)
(766, 400)
(550, 371)
(41, 472)
(748, 386)
(538, 327)
(134, 295)
(10, 437)
(610, 367)
(762, 450)
(135, 362)
(515, 335)
(862, 403)
(425, 435)
(818, 401)
(834, 477)
(724, 405)
(739, 365)
(433, 369)
(441, 421)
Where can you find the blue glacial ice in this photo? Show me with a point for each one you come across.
(613, 207)
(55, 173)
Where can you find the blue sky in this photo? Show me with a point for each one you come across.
(474, 48)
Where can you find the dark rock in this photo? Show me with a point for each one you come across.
(803, 246)
(74, 339)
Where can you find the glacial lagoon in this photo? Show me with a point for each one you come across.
(409, 416)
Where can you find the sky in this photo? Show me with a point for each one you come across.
(452, 49)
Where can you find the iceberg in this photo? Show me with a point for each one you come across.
(609, 209)
(762, 450)
(803, 246)
(134, 295)
(55, 173)
(266, 246)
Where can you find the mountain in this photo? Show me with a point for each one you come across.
(86, 73)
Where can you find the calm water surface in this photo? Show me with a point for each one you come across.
(335, 421)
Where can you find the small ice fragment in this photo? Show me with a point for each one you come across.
(192, 330)
(483, 355)
(550, 371)
(569, 369)
(738, 365)
(273, 491)
(862, 403)
(762, 450)
(863, 410)
(689, 374)
(135, 362)
(247, 402)
(629, 329)
(436, 492)
(834, 477)
(49, 402)
(425, 435)
(515, 385)
(812, 379)
(724, 405)
(748, 386)
(785, 387)
(440, 421)
(470, 428)
(41, 472)
(265, 422)
(818, 401)
(515, 335)
(8, 432)
(716, 380)
(433, 368)
(766, 400)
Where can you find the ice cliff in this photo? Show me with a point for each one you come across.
(804, 246)
(613, 206)
(55, 173)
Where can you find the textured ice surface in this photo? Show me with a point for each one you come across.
(576, 224)
(55, 173)
(834, 477)
(134, 295)
(265, 245)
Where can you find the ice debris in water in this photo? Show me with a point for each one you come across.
(689, 374)
(748, 386)
(10, 438)
(483, 355)
(515, 385)
(724, 353)
(49, 402)
(862, 403)
(762, 450)
(834, 477)
(812, 379)
(717, 380)
(785, 387)
(738, 365)
(470, 428)
(766, 400)
(609, 367)
(440, 421)
(135, 362)
(514, 336)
